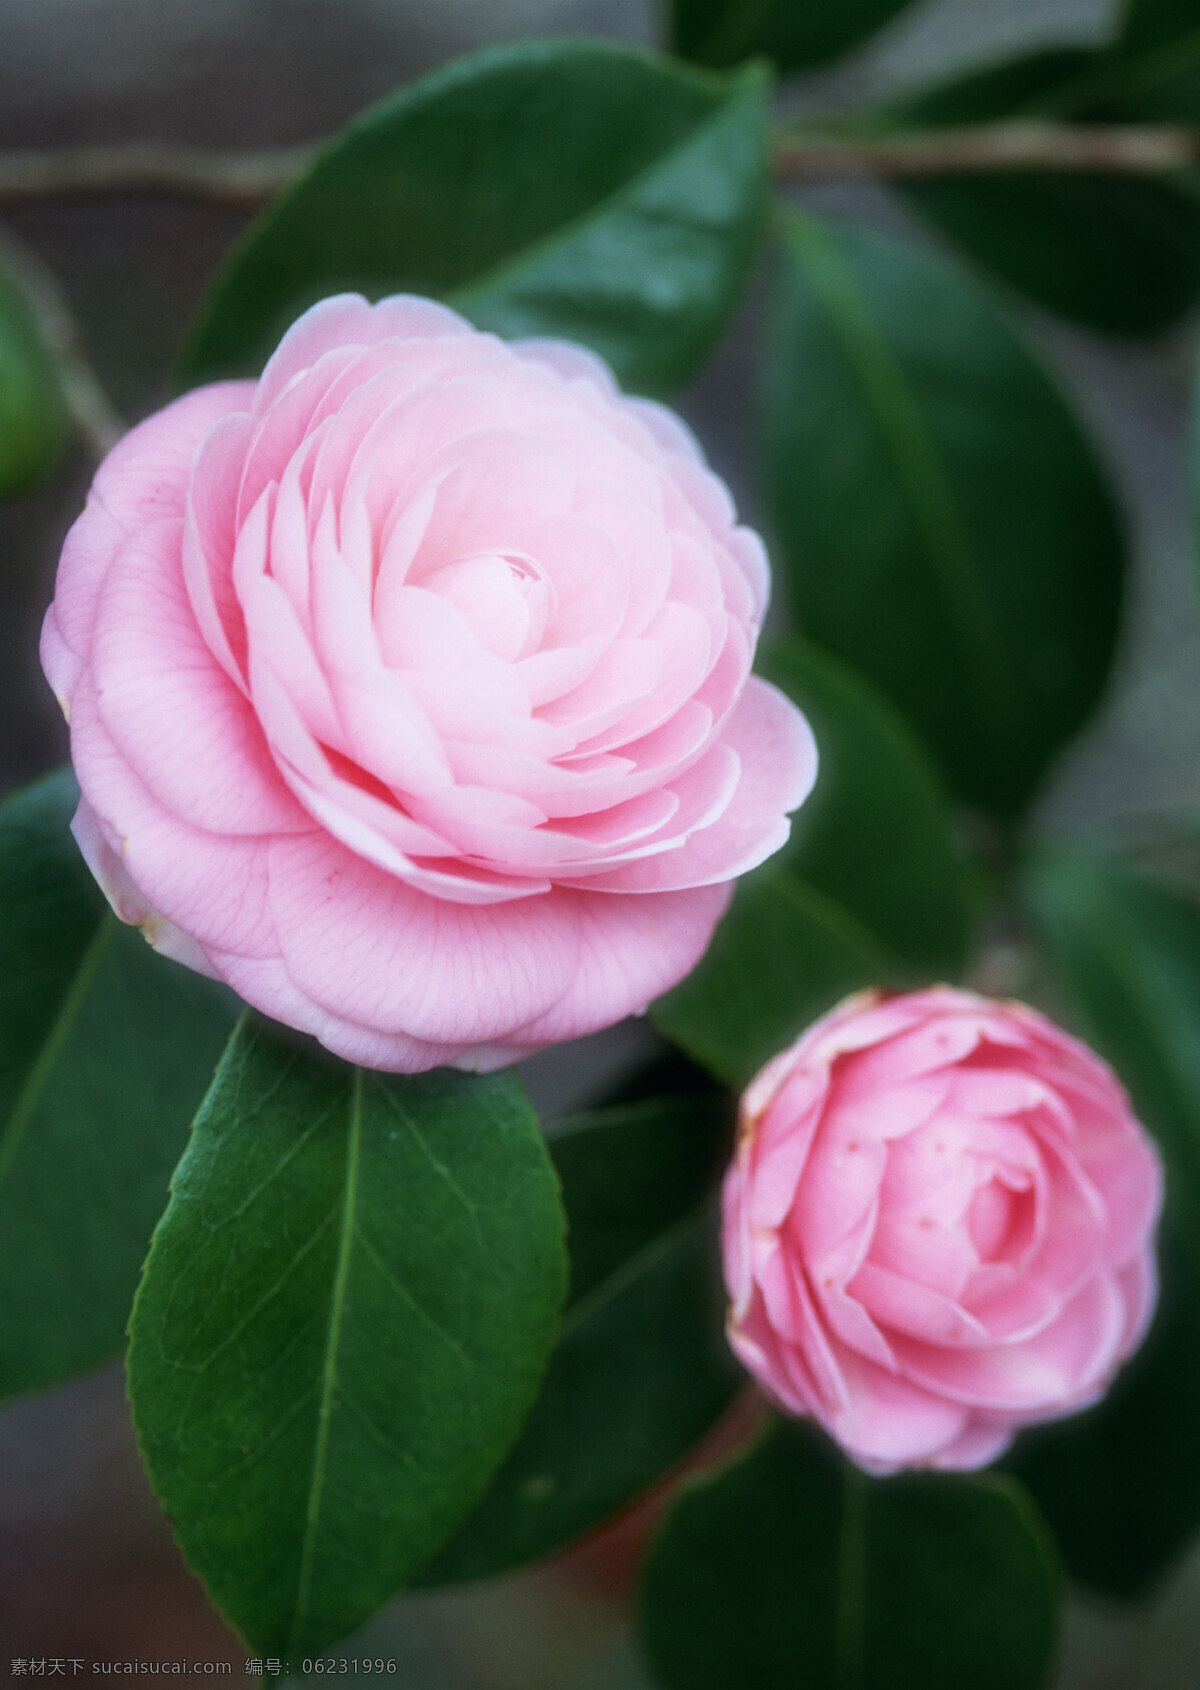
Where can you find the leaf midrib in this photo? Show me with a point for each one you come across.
(947, 545)
(337, 1306)
(52, 1045)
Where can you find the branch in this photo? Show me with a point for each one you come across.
(1124, 149)
(248, 178)
(237, 178)
(90, 407)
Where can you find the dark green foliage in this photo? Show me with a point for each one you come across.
(562, 188)
(942, 521)
(33, 418)
(1116, 252)
(641, 1369)
(1121, 1484)
(872, 888)
(789, 1568)
(105, 1051)
(342, 1324)
(796, 34)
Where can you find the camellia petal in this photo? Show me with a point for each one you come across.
(409, 689)
(956, 1198)
(143, 479)
(630, 951)
(777, 761)
(167, 702)
(212, 886)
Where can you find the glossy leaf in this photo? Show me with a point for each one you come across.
(564, 188)
(872, 888)
(876, 833)
(782, 956)
(105, 1051)
(642, 1368)
(920, 462)
(1121, 1485)
(1127, 950)
(791, 1568)
(343, 1321)
(1117, 253)
(33, 420)
(796, 34)
(1112, 253)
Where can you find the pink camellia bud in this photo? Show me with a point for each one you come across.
(410, 692)
(938, 1227)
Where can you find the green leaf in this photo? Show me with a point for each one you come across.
(33, 418)
(796, 34)
(1113, 253)
(920, 462)
(105, 1050)
(343, 1321)
(1152, 73)
(1170, 28)
(1127, 951)
(564, 188)
(1117, 253)
(642, 1368)
(791, 1568)
(876, 833)
(1120, 1485)
(1042, 83)
(872, 888)
(781, 957)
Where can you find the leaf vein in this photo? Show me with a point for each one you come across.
(435, 1162)
(259, 1304)
(268, 1179)
(337, 1309)
(948, 546)
(410, 1302)
(238, 1470)
(396, 1451)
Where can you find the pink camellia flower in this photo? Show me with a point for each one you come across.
(409, 689)
(938, 1227)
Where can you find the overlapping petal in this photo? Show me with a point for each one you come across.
(410, 688)
(938, 1227)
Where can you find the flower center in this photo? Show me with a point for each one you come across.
(503, 596)
(1000, 1218)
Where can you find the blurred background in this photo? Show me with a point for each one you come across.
(87, 1566)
